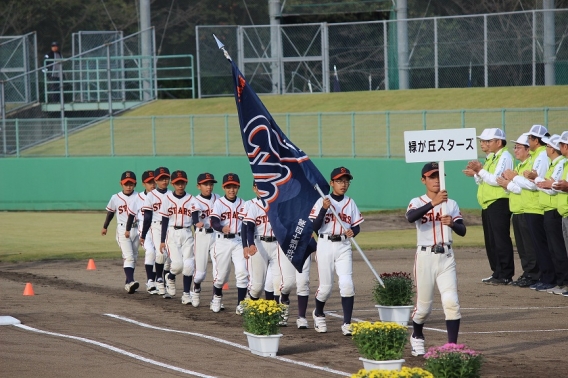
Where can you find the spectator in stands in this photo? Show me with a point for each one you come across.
(53, 70)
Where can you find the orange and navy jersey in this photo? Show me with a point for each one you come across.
(205, 208)
(229, 213)
(119, 204)
(178, 210)
(429, 227)
(153, 202)
(347, 211)
(256, 215)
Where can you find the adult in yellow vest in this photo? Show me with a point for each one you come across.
(552, 219)
(518, 205)
(495, 200)
(487, 235)
(561, 187)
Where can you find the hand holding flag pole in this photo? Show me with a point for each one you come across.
(352, 239)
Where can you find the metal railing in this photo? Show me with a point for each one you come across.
(342, 134)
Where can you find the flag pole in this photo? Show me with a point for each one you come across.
(352, 239)
(222, 47)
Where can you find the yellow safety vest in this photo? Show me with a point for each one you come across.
(488, 159)
(530, 197)
(562, 197)
(516, 200)
(546, 201)
(489, 193)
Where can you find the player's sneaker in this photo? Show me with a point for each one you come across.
(486, 279)
(302, 323)
(285, 316)
(171, 287)
(319, 323)
(346, 329)
(215, 305)
(417, 346)
(185, 298)
(195, 298)
(161, 287)
(545, 287)
(239, 310)
(151, 287)
(558, 290)
(131, 287)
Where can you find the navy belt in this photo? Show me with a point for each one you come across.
(179, 228)
(229, 236)
(333, 238)
(436, 248)
(268, 239)
(207, 230)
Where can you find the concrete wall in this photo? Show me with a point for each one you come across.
(88, 183)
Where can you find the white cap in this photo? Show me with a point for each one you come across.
(564, 138)
(552, 141)
(489, 134)
(523, 139)
(538, 131)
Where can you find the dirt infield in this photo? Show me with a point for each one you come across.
(521, 332)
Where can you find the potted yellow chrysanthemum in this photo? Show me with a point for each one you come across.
(262, 324)
(405, 372)
(381, 344)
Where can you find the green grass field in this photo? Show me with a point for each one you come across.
(210, 126)
(31, 236)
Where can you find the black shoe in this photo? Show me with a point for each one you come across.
(486, 280)
(520, 281)
(499, 281)
(527, 282)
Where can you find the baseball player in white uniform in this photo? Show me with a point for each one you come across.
(334, 248)
(204, 233)
(434, 261)
(177, 235)
(226, 220)
(153, 222)
(119, 203)
(136, 216)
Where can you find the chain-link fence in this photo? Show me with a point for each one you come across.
(18, 55)
(488, 50)
(78, 91)
(355, 134)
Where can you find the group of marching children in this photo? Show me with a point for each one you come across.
(533, 194)
(179, 231)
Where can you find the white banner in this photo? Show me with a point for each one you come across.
(440, 145)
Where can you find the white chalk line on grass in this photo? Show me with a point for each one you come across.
(491, 308)
(219, 340)
(117, 350)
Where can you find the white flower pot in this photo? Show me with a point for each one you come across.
(263, 345)
(396, 314)
(381, 365)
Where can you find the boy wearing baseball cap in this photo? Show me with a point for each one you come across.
(204, 233)
(434, 261)
(120, 203)
(334, 248)
(153, 222)
(136, 219)
(177, 237)
(226, 220)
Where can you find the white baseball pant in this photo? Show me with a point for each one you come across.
(334, 257)
(224, 251)
(128, 246)
(203, 246)
(155, 233)
(263, 260)
(149, 248)
(431, 269)
(179, 244)
(291, 277)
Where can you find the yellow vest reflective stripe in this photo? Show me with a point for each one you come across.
(490, 193)
(515, 200)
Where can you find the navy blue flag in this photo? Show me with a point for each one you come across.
(285, 176)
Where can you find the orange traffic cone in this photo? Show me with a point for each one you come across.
(91, 265)
(29, 290)
(226, 286)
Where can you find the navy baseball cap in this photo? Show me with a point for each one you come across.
(205, 177)
(55, 43)
(127, 176)
(429, 169)
(179, 176)
(340, 172)
(161, 171)
(147, 176)
(231, 178)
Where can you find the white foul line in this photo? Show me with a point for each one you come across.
(117, 350)
(219, 340)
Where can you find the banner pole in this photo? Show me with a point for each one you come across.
(352, 239)
(442, 175)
